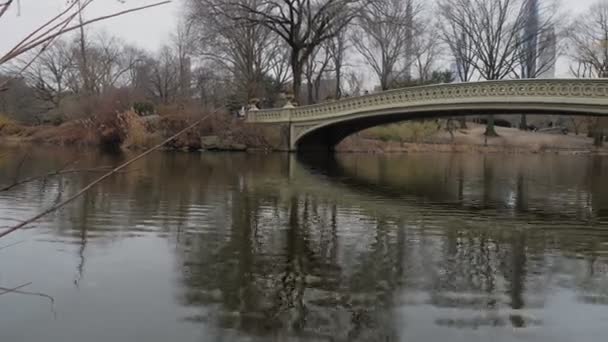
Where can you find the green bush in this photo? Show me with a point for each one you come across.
(143, 108)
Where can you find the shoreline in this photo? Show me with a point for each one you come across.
(409, 148)
(375, 147)
(231, 136)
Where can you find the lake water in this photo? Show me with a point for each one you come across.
(246, 247)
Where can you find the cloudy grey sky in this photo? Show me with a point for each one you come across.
(148, 29)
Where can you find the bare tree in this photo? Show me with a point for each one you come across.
(302, 24)
(337, 48)
(164, 78)
(249, 52)
(582, 69)
(105, 63)
(354, 83)
(50, 71)
(315, 69)
(426, 50)
(212, 84)
(462, 49)
(183, 42)
(496, 30)
(589, 37)
(382, 37)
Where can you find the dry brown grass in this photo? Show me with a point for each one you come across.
(126, 129)
(414, 131)
(9, 127)
(228, 129)
(137, 133)
(71, 133)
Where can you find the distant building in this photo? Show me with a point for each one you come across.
(540, 50)
(548, 54)
(529, 67)
(455, 72)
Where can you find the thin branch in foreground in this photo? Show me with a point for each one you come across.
(44, 39)
(104, 177)
(41, 40)
(4, 7)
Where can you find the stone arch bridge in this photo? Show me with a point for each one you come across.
(322, 126)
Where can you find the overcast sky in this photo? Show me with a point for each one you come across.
(148, 29)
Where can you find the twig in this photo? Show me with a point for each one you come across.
(26, 293)
(4, 7)
(102, 178)
(39, 38)
(14, 288)
(43, 39)
(47, 24)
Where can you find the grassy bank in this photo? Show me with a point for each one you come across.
(128, 130)
(433, 137)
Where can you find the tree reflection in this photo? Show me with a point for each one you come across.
(337, 249)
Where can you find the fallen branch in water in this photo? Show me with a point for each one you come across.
(52, 174)
(102, 178)
(26, 293)
(14, 289)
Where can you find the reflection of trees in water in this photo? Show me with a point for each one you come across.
(280, 275)
(538, 185)
(260, 254)
(300, 282)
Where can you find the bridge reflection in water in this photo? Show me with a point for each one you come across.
(347, 248)
(322, 126)
(382, 248)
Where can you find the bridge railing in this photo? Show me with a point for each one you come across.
(588, 91)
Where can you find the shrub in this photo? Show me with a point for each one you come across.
(143, 108)
(137, 134)
(9, 126)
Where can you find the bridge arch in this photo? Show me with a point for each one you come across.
(322, 126)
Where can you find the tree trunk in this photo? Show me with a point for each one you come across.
(598, 133)
(463, 122)
(310, 91)
(523, 124)
(490, 131)
(598, 138)
(338, 82)
(296, 69)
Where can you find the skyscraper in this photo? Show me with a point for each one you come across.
(548, 53)
(530, 39)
